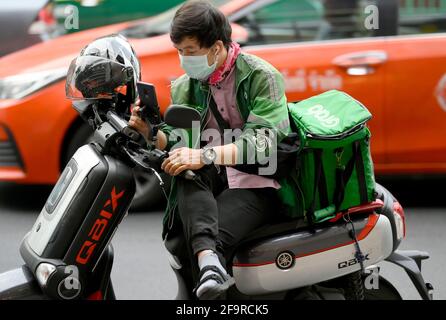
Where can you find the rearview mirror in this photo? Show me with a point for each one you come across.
(179, 116)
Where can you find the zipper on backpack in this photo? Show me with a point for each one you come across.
(350, 132)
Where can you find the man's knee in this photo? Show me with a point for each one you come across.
(226, 240)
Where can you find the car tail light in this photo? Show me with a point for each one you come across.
(45, 20)
(400, 220)
(46, 14)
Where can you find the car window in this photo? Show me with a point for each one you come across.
(305, 20)
(421, 17)
(159, 24)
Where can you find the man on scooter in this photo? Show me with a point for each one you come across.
(232, 90)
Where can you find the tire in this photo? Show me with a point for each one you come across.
(388, 18)
(386, 291)
(77, 138)
(148, 192)
(315, 292)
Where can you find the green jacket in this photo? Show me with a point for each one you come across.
(260, 99)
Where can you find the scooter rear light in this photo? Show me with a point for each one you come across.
(43, 273)
(400, 220)
(96, 296)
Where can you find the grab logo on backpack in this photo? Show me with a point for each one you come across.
(323, 116)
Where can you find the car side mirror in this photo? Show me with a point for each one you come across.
(179, 116)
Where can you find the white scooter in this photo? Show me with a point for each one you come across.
(68, 254)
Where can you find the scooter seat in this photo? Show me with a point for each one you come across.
(285, 226)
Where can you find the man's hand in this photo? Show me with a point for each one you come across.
(137, 123)
(182, 159)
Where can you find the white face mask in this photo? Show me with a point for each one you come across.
(197, 67)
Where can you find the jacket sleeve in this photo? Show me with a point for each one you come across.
(268, 122)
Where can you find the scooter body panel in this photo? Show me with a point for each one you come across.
(79, 219)
(51, 224)
(92, 197)
(304, 258)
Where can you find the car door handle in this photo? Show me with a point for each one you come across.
(361, 63)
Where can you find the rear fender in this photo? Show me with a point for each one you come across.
(410, 261)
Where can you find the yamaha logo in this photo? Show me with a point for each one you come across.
(285, 260)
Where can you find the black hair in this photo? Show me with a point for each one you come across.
(200, 20)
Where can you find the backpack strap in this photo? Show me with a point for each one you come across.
(322, 186)
(361, 176)
(222, 124)
(317, 185)
(343, 175)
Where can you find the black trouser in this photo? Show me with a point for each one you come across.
(215, 217)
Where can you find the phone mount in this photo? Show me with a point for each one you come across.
(150, 111)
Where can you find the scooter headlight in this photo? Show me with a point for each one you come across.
(43, 273)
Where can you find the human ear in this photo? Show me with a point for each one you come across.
(219, 47)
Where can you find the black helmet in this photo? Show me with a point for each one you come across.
(106, 69)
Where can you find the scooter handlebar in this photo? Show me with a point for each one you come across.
(153, 159)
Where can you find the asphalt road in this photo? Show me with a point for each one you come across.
(141, 269)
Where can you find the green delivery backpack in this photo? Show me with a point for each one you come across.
(334, 167)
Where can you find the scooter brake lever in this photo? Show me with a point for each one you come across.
(137, 158)
(142, 157)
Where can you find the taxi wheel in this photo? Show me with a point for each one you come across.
(149, 195)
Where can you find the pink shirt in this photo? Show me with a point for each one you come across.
(225, 99)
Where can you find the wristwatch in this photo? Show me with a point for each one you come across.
(208, 155)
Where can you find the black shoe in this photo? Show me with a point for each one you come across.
(223, 282)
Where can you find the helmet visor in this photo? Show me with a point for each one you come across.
(91, 77)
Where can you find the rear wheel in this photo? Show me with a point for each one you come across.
(386, 291)
(148, 191)
(315, 292)
(353, 288)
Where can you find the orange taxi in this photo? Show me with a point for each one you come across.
(397, 70)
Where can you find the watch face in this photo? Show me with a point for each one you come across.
(210, 155)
